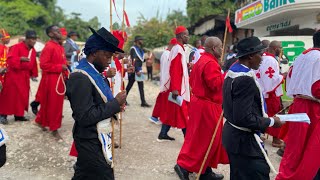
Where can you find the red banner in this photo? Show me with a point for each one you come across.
(127, 19)
(115, 8)
(228, 24)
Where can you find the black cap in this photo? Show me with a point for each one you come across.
(108, 38)
(31, 34)
(137, 38)
(249, 45)
(72, 33)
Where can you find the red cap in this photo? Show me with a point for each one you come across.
(122, 39)
(180, 29)
(173, 41)
(63, 31)
(5, 34)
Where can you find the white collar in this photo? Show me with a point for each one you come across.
(72, 40)
(244, 66)
(93, 67)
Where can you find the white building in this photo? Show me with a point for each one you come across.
(294, 20)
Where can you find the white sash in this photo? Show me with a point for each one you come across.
(137, 53)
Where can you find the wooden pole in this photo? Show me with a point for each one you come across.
(112, 88)
(122, 72)
(225, 39)
(210, 145)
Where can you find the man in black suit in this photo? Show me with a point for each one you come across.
(244, 111)
(93, 105)
(71, 49)
(137, 56)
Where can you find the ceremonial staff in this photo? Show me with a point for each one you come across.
(112, 86)
(225, 38)
(221, 115)
(210, 145)
(122, 72)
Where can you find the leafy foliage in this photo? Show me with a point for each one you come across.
(197, 10)
(17, 16)
(155, 31)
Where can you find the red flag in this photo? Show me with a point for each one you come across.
(228, 24)
(126, 17)
(114, 4)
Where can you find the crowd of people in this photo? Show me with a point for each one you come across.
(222, 106)
(248, 85)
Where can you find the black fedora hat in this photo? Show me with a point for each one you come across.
(249, 45)
(109, 39)
(137, 38)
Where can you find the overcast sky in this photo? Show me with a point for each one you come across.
(101, 9)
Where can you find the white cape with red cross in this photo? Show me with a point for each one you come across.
(269, 76)
(304, 72)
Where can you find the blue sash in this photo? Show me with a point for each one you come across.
(237, 67)
(139, 52)
(97, 77)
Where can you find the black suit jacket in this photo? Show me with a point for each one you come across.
(138, 62)
(242, 107)
(88, 107)
(69, 49)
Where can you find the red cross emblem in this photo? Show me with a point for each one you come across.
(258, 75)
(270, 71)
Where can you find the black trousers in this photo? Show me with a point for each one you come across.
(165, 129)
(317, 176)
(149, 71)
(3, 155)
(247, 167)
(131, 78)
(91, 163)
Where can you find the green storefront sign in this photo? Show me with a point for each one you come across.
(292, 49)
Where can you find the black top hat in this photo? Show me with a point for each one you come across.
(109, 39)
(137, 38)
(31, 34)
(72, 33)
(249, 45)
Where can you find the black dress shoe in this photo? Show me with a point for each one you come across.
(182, 173)
(34, 107)
(20, 118)
(145, 105)
(211, 176)
(162, 138)
(280, 152)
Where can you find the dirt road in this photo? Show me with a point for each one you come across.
(34, 155)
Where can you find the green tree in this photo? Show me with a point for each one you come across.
(177, 17)
(197, 10)
(156, 32)
(17, 16)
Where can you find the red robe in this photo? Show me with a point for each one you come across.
(301, 159)
(158, 109)
(173, 114)
(273, 107)
(204, 112)
(16, 87)
(3, 58)
(51, 60)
